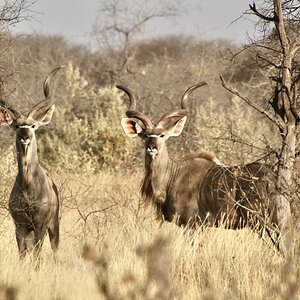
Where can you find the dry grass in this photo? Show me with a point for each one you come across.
(112, 248)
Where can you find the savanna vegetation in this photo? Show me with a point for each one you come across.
(112, 247)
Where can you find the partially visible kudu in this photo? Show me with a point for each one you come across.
(197, 187)
(171, 185)
(34, 201)
(238, 196)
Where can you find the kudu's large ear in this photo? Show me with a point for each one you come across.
(177, 128)
(43, 117)
(5, 117)
(131, 127)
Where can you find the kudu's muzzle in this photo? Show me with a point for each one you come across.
(152, 148)
(24, 136)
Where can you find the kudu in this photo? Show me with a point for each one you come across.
(198, 187)
(34, 200)
(171, 185)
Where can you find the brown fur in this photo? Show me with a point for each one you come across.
(238, 196)
(180, 191)
(233, 197)
(146, 187)
(34, 201)
(203, 154)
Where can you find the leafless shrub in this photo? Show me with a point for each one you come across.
(14, 11)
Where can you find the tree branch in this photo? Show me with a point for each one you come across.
(293, 107)
(275, 120)
(256, 12)
(14, 12)
(268, 61)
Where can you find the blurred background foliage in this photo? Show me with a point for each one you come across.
(85, 133)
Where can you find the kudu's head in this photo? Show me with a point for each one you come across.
(26, 124)
(155, 136)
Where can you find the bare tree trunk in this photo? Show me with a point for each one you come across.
(284, 187)
(288, 149)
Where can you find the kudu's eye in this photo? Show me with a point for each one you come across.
(162, 135)
(33, 126)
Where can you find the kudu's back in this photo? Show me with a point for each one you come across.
(238, 196)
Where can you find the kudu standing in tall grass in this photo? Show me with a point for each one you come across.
(171, 185)
(34, 201)
(198, 187)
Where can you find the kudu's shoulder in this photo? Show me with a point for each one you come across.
(200, 155)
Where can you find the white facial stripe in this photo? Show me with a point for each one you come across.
(149, 150)
(25, 126)
(152, 135)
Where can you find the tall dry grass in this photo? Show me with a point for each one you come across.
(112, 248)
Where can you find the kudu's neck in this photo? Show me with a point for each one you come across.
(161, 169)
(160, 161)
(27, 159)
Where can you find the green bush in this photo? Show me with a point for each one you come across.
(90, 140)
